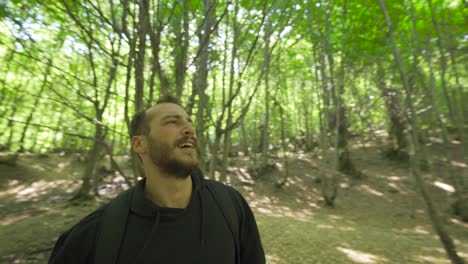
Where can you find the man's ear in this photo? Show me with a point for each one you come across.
(139, 144)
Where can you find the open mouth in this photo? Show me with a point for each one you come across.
(186, 145)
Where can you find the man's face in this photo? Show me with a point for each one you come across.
(172, 140)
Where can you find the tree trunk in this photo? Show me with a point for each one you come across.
(200, 79)
(35, 104)
(155, 33)
(214, 155)
(457, 182)
(443, 66)
(11, 124)
(140, 56)
(182, 44)
(89, 173)
(397, 127)
(232, 75)
(244, 140)
(59, 121)
(226, 150)
(438, 225)
(266, 122)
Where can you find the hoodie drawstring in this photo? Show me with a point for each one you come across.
(152, 234)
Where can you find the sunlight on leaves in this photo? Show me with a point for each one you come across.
(361, 257)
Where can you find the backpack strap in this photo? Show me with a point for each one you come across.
(112, 228)
(114, 219)
(227, 205)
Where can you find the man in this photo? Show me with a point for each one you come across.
(171, 216)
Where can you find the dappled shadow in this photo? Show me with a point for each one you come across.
(428, 255)
(35, 191)
(371, 214)
(458, 222)
(272, 207)
(12, 218)
(417, 230)
(296, 198)
(431, 259)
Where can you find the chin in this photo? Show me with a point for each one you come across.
(182, 168)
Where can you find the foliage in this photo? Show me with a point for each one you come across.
(69, 48)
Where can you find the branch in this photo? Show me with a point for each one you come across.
(205, 41)
(50, 127)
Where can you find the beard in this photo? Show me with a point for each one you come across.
(169, 159)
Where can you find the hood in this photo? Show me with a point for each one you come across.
(142, 206)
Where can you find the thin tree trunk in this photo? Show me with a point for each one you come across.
(88, 178)
(11, 124)
(226, 150)
(214, 155)
(457, 182)
(345, 165)
(397, 127)
(59, 121)
(140, 56)
(443, 65)
(200, 79)
(438, 225)
(232, 75)
(266, 122)
(244, 140)
(182, 44)
(35, 104)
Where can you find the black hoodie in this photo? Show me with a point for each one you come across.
(196, 234)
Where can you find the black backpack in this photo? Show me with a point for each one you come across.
(114, 219)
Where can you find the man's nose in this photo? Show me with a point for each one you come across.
(189, 129)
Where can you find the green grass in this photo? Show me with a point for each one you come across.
(321, 240)
(371, 223)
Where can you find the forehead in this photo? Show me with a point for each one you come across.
(165, 109)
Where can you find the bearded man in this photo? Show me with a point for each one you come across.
(173, 215)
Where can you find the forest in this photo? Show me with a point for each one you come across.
(343, 122)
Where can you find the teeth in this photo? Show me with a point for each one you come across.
(186, 145)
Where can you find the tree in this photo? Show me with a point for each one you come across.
(415, 148)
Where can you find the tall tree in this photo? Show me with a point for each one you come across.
(437, 223)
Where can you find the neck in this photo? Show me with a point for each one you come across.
(168, 190)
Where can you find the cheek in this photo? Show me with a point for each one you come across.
(163, 139)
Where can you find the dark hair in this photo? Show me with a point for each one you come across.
(140, 121)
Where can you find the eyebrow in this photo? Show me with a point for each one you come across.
(176, 117)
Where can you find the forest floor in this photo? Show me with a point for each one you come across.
(379, 219)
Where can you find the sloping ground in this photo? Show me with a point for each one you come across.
(380, 219)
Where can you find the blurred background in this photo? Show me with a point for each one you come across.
(344, 123)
